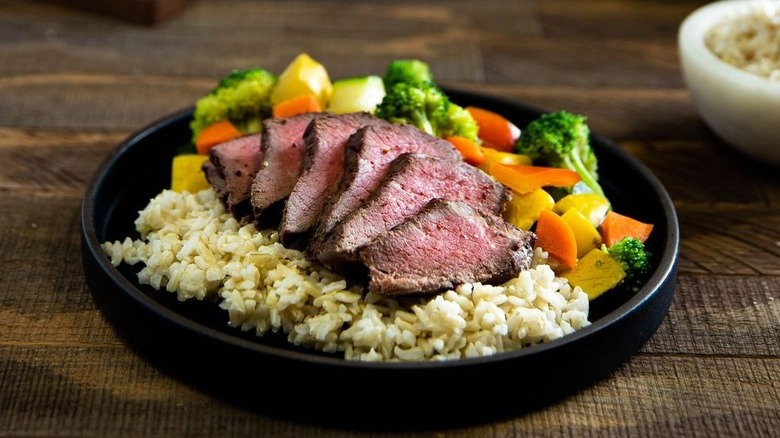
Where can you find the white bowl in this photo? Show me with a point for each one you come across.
(742, 108)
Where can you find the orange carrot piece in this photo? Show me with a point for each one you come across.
(469, 150)
(525, 179)
(495, 129)
(616, 226)
(215, 134)
(305, 103)
(555, 236)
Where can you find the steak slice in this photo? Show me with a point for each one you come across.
(233, 166)
(322, 169)
(446, 244)
(283, 150)
(368, 156)
(215, 180)
(412, 181)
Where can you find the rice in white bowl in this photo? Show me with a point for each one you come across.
(191, 246)
(750, 41)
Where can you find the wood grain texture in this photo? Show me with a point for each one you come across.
(73, 85)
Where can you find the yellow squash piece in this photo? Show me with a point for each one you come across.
(586, 235)
(595, 273)
(186, 173)
(303, 75)
(523, 210)
(592, 206)
(351, 95)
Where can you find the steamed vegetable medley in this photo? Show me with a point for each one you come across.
(549, 164)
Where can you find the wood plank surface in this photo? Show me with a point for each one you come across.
(73, 85)
(146, 12)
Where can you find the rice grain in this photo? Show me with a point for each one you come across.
(189, 245)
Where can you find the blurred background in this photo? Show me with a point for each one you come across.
(138, 60)
(78, 77)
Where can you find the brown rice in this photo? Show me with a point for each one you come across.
(750, 41)
(192, 247)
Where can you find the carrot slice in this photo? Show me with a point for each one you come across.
(495, 129)
(304, 103)
(525, 179)
(616, 226)
(555, 236)
(215, 134)
(469, 150)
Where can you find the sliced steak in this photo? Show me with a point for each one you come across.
(368, 156)
(283, 150)
(216, 181)
(235, 164)
(446, 244)
(323, 166)
(412, 181)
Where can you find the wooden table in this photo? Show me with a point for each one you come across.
(75, 84)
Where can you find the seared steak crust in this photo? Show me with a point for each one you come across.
(216, 180)
(446, 244)
(233, 166)
(322, 168)
(411, 182)
(369, 154)
(384, 203)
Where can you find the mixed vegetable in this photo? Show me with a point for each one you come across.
(549, 165)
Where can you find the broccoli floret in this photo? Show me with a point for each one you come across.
(412, 97)
(457, 121)
(425, 106)
(634, 258)
(562, 139)
(407, 70)
(411, 103)
(243, 97)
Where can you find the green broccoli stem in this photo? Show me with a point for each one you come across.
(421, 120)
(574, 162)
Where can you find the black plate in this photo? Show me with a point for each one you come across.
(192, 341)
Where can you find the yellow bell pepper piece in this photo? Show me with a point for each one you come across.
(592, 206)
(595, 273)
(492, 155)
(303, 75)
(186, 173)
(523, 210)
(586, 235)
